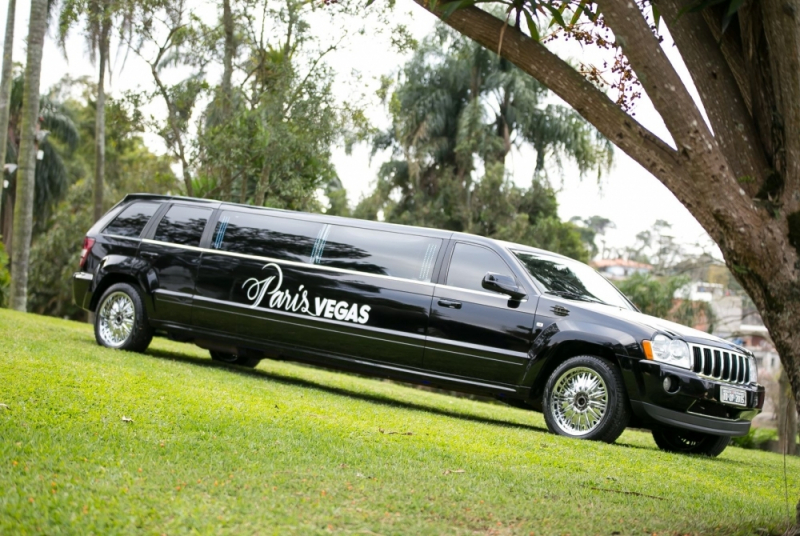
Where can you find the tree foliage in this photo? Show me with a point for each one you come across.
(130, 167)
(655, 296)
(457, 112)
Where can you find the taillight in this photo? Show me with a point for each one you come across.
(87, 247)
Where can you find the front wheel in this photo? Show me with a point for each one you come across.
(121, 319)
(690, 442)
(585, 398)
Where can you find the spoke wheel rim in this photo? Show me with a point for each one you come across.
(579, 401)
(116, 319)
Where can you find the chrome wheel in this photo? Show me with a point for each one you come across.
(116, 319)
(579, 401)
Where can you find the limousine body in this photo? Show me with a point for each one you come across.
(451, 310)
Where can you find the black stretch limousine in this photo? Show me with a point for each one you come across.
(532, 328)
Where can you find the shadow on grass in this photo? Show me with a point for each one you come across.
(375, 398)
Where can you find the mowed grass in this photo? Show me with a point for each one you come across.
(287, 449)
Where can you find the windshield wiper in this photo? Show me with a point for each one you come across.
(574, 296)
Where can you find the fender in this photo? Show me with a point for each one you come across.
(546, 350)
(125, 267)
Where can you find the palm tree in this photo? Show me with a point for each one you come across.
(51, 180)
(23, 211)
(100, 17)
(5, 94)
(457, 104)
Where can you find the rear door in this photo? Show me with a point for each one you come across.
(475, 333)
(173, 254)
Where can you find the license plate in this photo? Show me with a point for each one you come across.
(737, 397)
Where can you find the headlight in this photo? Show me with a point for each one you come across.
(666, 350)
(753, 370)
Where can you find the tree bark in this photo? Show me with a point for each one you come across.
(261, 186)
(23, 211)
(5, 97)
(100, 121)
(787, 417)
(227, 89)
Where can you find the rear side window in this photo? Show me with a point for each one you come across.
(266, 236)
(131, 220)
(379, 252)
(183, 225)
(470, 264)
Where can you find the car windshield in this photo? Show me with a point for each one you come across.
(571, 279)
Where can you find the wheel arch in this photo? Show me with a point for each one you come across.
(556, 344)
(117, 269)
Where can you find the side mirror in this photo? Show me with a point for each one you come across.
(503, 284)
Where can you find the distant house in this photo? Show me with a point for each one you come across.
(620, 268)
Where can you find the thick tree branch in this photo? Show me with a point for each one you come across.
(782, 31)
(670, 97)
(732, 50)
(557, 75)
(730, 119)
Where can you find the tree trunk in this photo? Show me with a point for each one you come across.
(227, 91)
(100, 123)
(261, 187)
(26, 174)
(787, 417)
(5, 98)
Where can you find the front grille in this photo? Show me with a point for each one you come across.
(720, 364)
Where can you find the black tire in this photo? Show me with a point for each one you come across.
(233, 359)
(690, 442)
(594, 422)
(120, 320)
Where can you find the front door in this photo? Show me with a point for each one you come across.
(475, 333)
(174, 256)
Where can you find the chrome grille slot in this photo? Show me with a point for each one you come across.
(720, 365)
(717, 369)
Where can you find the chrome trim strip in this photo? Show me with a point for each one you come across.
(283, 261)
(83, 275)
(384, 331)
(120, 236)
(503, 297)
(479, 347)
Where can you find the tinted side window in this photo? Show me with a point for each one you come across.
(379, 252)
(470, 264)
(132, 220)
(266, 236)
(183, 225)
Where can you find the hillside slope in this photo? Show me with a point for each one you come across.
(287, 449)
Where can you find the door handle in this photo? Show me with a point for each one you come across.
(452, 304)
(149, 254)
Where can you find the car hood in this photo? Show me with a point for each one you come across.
(656, 324)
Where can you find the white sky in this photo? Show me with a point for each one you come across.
(628, 195)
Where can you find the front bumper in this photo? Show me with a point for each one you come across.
(82, 289)
(694, 403)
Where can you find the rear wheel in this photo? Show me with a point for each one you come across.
(690, 442)
(585, 398)
(121, 319)
(234, 359)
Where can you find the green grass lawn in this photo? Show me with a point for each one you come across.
(287, 449)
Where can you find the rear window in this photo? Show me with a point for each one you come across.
(379, 252)
(183, 225)
(266, 236)
(131, 220)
